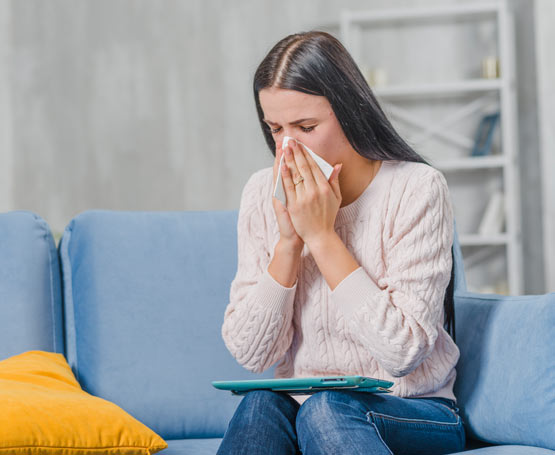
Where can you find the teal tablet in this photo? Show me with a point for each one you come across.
(306, 385)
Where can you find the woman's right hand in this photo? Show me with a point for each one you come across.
(287, 232)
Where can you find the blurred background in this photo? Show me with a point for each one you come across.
(148, 105)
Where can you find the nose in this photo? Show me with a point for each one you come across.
(291, 140)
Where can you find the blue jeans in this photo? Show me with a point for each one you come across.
(334, 422)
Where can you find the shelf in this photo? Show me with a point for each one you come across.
(445, 88)
(411, 15)
(478, 240)
(460, 98)
(473, 162)
(399, 15)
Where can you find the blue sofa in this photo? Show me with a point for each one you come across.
(135, 302)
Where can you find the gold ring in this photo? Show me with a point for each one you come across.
(296, 183)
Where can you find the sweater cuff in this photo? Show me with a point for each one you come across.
(355, 290)
(274, 295)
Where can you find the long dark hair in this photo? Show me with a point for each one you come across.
(316, 63)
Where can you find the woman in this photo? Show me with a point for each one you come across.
(352, 277)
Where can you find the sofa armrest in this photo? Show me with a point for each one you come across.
(506, 367)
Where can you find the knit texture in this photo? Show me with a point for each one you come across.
(384, 320)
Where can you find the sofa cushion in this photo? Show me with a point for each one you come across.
(145, 295)
(506, 450)
(45, 411)
(207, 446)
(210, 447)
(30, 290)
(505, 372)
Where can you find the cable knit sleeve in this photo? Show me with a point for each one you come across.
(397, 320)
(257, 327)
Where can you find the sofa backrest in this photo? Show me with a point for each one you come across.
(460, 279)
(144, 299)
(138, 287)
(30, 292)
(505, 373)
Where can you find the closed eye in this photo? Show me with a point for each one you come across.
(303, 129)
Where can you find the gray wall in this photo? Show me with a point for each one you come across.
(545, 33)
(147, 105)
(530, 168)
(6, 148)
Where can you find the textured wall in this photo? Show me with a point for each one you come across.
(148, 105)
(6, 148)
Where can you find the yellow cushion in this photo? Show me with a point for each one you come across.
(43, 410)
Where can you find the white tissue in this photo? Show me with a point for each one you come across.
(327, 169)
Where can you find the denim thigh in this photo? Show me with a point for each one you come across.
(263, 424)
(405, 425)
(418, 425)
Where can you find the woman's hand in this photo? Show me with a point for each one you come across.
(286, 230)
(314, 202)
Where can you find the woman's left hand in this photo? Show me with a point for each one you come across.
(312, 204)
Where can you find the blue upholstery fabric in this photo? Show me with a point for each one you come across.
(460, 279)
(145, 294)
(508, 450)
(192, 446)
(210, 447)
(507, 367)
(30, 289)
(144, 298)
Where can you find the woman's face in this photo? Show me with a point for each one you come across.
(319, 129)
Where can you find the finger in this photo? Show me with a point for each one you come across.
(319, 176)
(303, 167)
(289, 187)
(279, 150)
(279, 153)
(290, 161)
(334, 180)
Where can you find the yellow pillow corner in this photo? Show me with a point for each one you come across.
(45, 411)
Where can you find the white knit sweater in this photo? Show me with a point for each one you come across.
(384, 320)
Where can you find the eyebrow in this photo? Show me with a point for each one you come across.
(291, 123)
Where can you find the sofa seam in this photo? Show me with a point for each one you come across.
(64, 250)
(47, 237)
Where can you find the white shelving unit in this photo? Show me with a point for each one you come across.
(503, 89)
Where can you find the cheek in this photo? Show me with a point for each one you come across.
(329, 148)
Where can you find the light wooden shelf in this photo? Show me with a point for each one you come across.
(443, 88)
(411, 15)
(480, 240)
(470, 163)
